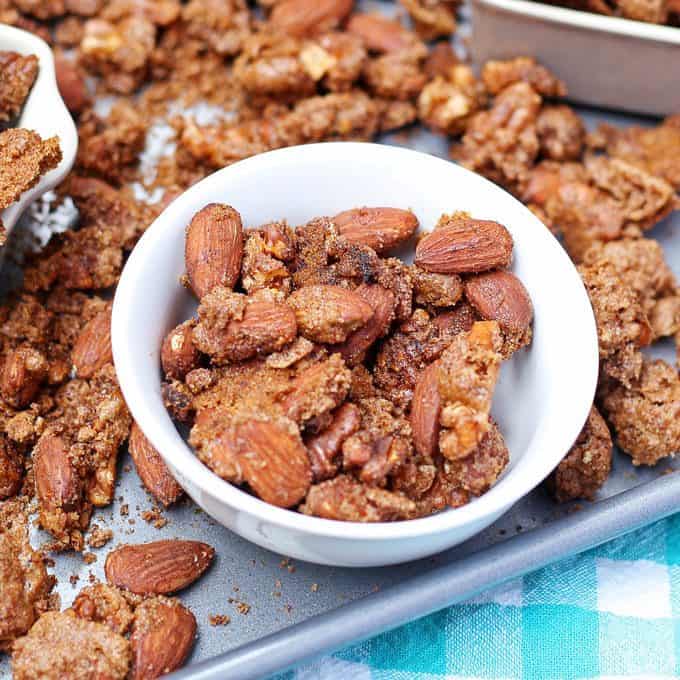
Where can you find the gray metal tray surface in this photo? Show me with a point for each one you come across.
(297, 611)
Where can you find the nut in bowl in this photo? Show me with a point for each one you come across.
(541, 398)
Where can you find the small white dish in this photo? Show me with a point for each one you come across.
(44, 112)
(605, 61)
(542, 399)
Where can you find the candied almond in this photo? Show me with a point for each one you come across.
(60, 645)
(232, 327)
(380, 33)
(213, 248)
(425, 411)
(463, 245)
(92, 348)
(309, 17)
(71, 84)
(104, 604)
(344, 498)
(317, 389)
(178, 352)
(58, 486)
(328, 314)
(588, 463)
(162, 637)
(274, 462)
(152, 469)
(467, 374)
(157, 568)
(23, 371)
(501, 296)
(379, 228)
(325, 447)
(354, 349)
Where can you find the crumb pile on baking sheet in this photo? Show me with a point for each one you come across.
(166, 92)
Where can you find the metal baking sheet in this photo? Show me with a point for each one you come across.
(297, 610)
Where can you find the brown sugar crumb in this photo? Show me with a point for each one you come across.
(219, 620)
(73, 579)
(587, 465)
(497, 75)
(17, 75)
(124, 510)
(241, 607)
(645, 416)
(99, 537)
(105, 604)
(24, 158)
(641, 264)
(432, 18)
(622, 325)
(502, 143)
(155, 517)
(24, 582)
(89, 558)
(343, 498)
(467, 376)
(655, 150)
(61, 645)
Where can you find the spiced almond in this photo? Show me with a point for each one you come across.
(379, 228)
(328, 314)
(158, 568)
(462, 245)
(152, 469)
(213, 248)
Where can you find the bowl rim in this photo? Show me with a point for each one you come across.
(174, 450)
(44, 95)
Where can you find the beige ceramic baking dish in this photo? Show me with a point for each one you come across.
(605, 61)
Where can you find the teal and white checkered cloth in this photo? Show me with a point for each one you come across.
(612, 612)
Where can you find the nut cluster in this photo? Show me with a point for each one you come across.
(323, 375)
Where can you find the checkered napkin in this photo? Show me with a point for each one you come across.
(612, 612)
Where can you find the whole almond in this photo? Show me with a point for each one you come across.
(464, 245)
(92, 348)
(379, 228)
(379, 33)
(57, 483)
(152, 469)
(162, 637)
(357, 344)
(274, 462)
(71, 85)
(178, 353)
(328, 314)
(214, 248)
(302, 18)
(23, 371)
(500, 296)
(425, 410)
(157, 568)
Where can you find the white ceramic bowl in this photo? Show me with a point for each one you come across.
(44, 112)
(542, 398)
